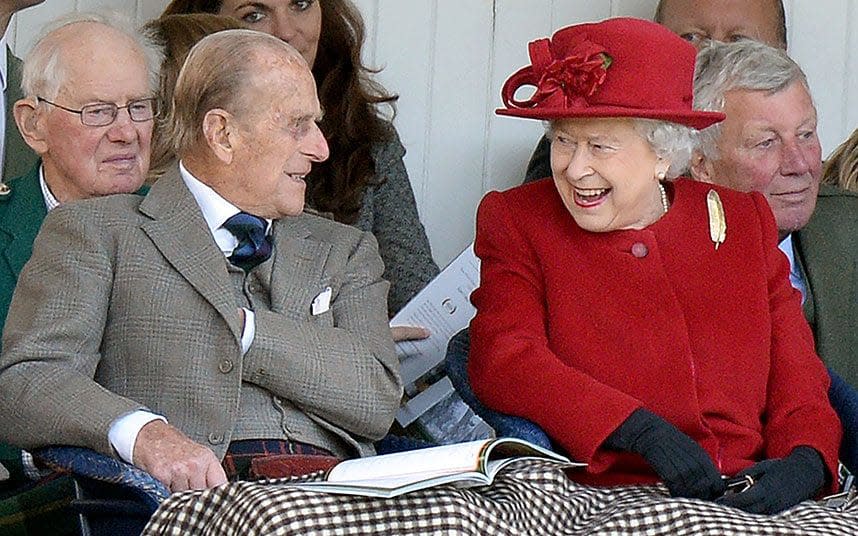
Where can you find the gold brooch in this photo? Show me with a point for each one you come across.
(717, 221)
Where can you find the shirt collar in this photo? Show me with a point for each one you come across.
(51, 202)
(216, 210)
(785, 246)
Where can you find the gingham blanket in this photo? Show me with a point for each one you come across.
(526, 498)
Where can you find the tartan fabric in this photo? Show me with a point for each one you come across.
(529, 497)
(237, 464)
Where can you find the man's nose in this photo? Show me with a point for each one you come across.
(315, 146)
(795, 159)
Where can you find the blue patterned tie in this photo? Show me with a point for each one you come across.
(254, 246)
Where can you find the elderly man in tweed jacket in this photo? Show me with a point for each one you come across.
(165, 330)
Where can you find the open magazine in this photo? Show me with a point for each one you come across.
(474, 463)
(431, 408)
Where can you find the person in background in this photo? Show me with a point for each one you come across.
(364, 182)
(212, 322)
(699, 21)
(16, 156)
(603, 312)
(176, 35)
(841, 168)
(727, 21)
(88, 113)
(768, 144)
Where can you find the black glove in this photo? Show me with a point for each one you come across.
(780, 483)
(681, 462)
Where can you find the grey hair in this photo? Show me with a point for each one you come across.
(744, 66)
(43, 71)
(217, 73)
(670, 141)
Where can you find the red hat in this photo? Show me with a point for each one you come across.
(620, 67)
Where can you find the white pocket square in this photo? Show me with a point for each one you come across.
(322, 302)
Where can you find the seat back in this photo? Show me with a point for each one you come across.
(456, 363)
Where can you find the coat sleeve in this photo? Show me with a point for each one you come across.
(402, 240)
(348, 373)
(512, 367)
(52, 339)
(798, 411)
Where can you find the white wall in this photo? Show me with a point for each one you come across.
(447, 60)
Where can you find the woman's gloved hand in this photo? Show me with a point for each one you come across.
(780, 483)
(681, 462)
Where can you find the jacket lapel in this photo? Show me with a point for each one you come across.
(299, 265)
(22, 219)
(181, 234)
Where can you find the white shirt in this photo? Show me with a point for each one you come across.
(51, 202)
(216, 210)
(796, 278)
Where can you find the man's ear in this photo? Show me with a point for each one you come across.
(217, 130)
(700, 167)
(30, 118)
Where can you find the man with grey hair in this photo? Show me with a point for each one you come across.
(213, 319)
(87, 112)
(699, 21)
(768, 144)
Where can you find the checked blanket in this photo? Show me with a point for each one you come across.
(529, 497)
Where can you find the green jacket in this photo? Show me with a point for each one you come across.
(21, 214)
(827, 250)
(19, 157)
(24, 509)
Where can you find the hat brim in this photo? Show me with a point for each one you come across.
(691, 118)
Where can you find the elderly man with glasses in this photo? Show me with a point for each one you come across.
(87, 113)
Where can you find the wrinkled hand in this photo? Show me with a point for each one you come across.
(683, 465)
(780, 483)
(408, 333)
(176, 460)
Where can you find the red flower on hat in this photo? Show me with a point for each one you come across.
(575, 77)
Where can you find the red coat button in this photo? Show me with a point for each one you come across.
(640, 250)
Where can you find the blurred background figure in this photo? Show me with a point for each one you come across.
(16, 156)
(841, 168)
(176, 35)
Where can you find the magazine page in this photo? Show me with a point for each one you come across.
(431, 408)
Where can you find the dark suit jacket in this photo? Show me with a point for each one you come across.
(827, 249)
(135, 293)
(19, 158)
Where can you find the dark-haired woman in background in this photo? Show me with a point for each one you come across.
(364, 182)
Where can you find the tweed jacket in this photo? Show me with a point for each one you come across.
(575, 330)
(827, 251)
(127, 303)
(19, 158)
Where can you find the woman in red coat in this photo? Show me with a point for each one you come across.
(646, 324)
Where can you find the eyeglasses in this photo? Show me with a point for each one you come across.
(102, 114)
